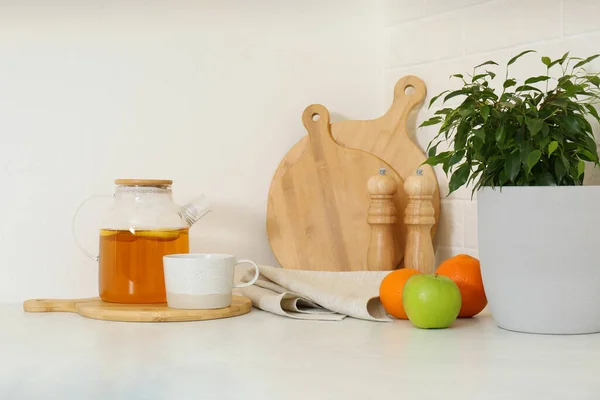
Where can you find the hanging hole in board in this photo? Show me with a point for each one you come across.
(409, 90)
(315, 117)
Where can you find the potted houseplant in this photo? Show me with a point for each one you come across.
(523, 148)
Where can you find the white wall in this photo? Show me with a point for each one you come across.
(206, 93)
(436, 38)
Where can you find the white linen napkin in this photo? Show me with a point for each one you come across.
(317, 295)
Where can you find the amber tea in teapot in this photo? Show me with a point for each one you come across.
(143, 225)
(127, 257)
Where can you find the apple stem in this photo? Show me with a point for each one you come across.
(435, 274)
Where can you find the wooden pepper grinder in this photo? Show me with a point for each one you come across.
(419, 218)
(383, 254)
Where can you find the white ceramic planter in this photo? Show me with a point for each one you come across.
(540, 257)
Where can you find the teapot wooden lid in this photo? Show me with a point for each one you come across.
(144, 182)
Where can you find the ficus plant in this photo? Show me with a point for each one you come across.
(533, 132)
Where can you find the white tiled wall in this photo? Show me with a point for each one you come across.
(436, 38)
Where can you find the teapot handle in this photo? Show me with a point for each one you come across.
(83, 203)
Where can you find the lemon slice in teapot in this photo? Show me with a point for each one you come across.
(159, 234)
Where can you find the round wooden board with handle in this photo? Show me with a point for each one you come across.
(317, 209)
(97, 309)
(386, 137)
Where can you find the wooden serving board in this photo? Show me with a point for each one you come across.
(317, 209)
(98, 309)
(386, 137)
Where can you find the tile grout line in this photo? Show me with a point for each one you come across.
(432, 16)
(464, 222)
(482, 53)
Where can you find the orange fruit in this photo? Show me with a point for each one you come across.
(465, 271)
(390, 291)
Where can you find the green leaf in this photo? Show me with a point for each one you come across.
(558, 136)
(443, 111)
(477, 143)
(434, 98)
(490, 62)
(580, 168)
(570, 124)
(538, 98)
(520, 135)
(552, 147)
(500, 135)
(515, 58)
(559, 169)
(509, 82)
(466, 111)
(546, 180)
(457, 93)
(460, 139)
(512, 165)
(520, 119)
(536, 79)
(479, 133)
(595, 80)
(431, 121)
(565, 80)
(565, 162)
(546, 60)
(534, 125)
(478, 76)
(573, 89)
(459, 177)
(438, 159)
(502, 177)
(457, 76)
(456, 157)
(559, 61)
(491, 74)
(527, 87)
(533, 158)
(587, 60)
(592, 111)
(485, 112)
(587, 155)
(559, 102)
(524, 150)
(432, 150)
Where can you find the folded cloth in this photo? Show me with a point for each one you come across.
(317, 295)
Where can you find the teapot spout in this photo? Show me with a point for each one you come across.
(196, 209)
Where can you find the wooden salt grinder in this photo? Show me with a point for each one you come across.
(419, 218)
(383, 254)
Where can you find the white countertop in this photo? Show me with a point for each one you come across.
(263, 356)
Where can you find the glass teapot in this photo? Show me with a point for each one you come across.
(142, 225)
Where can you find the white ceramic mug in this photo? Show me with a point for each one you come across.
(202, 281)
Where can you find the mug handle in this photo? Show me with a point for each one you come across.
(256, 273)
(83, 203)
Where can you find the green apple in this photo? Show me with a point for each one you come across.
(431, 301)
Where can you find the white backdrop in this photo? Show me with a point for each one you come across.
(208, 94)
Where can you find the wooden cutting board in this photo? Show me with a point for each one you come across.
(317, 209)
(98, 309)
(386, 137)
